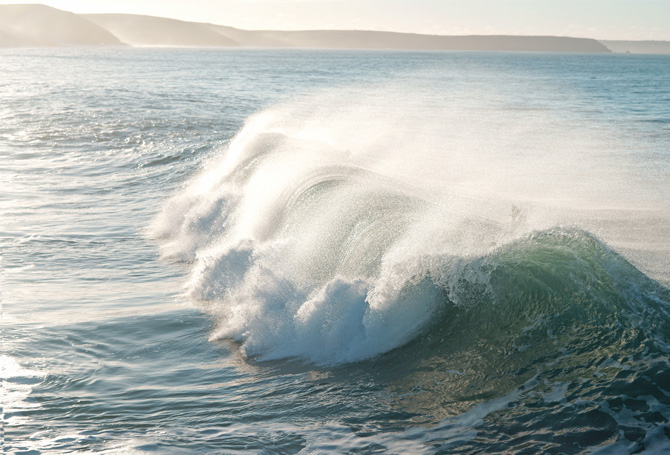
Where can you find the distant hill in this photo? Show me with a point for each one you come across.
(638, 47)
(157, 31)
(40, 25)
(147, 30)
(354, 39)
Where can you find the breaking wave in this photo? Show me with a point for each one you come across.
(334, 231)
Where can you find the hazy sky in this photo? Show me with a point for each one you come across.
(604, 19)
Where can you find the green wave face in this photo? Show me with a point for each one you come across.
(563, 328)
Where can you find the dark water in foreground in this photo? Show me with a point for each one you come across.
(334, 252)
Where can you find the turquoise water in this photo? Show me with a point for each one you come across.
(213, 251)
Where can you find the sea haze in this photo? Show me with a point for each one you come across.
(292, 251)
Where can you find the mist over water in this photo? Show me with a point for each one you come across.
(334, 252)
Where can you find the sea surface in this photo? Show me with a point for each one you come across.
(314, 252)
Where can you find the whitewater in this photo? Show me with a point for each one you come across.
(335, 252)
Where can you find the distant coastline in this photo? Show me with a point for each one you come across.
(40, 26)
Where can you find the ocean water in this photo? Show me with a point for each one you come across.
(281, 252)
